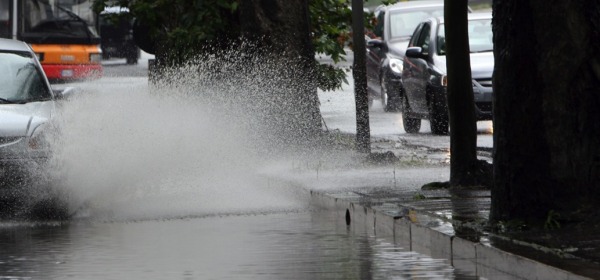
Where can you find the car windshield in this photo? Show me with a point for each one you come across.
(21, 80)
(403, 23)
(480, 37)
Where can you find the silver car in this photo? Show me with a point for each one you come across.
(27, 104)
(424, 73)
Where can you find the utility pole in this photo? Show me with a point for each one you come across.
(359, 72)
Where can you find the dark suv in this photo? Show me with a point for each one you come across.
(385, 53)
(116, 31)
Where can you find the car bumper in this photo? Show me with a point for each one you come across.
(483, 102)
(16, 167)
(15, 164)
(72, 71)
(395, 87)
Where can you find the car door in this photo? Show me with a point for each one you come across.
(416, 74)
(376, 55)
(408, 79)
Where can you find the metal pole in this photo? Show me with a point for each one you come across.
(359, 72)
(14, 19)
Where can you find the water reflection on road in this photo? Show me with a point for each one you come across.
(162, 225)
(299, 245)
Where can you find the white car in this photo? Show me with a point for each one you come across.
(27, 104)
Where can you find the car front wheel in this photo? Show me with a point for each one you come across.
(389, 99)
(411, 125)
(438, 116)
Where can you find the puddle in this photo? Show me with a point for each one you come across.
(298, 245)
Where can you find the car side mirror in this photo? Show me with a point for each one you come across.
(415, 52)
(375, 43)
(65, 93)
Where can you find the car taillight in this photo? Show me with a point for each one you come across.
(95, 57)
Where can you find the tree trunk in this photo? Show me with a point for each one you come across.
(546, 116)
(464, 169)
(280, 31)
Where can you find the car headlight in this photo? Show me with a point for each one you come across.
(396, 65)
(38, 140)
(444, 80)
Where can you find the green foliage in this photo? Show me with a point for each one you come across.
(329, 77)
(330, 31)
(436, 186)
(330, 25)
(389, 2)
(552, 220)
(511, 226)
(419, 196)
(183, 28)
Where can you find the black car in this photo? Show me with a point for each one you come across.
(385, 53)
(116, 32)
(424, 73)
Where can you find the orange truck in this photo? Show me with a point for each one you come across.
(61, 33)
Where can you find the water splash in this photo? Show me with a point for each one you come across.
(193, 145)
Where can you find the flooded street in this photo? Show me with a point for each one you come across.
(163, 188)
(300, 245)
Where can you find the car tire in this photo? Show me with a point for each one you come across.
(411, 125)
(438, 117)
(131, 60)
(132, 57)
(389, 104)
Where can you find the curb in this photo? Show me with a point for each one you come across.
(421, 232)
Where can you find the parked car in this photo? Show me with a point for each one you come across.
(27, 104)
(116, 33)
(393, 29)
(424, 73)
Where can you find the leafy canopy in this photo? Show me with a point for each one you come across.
(183, 28)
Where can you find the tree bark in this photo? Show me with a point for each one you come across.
(464, 166)
(279, 30)
(546, 116)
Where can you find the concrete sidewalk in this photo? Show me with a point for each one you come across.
(448, 227)
(387, 200)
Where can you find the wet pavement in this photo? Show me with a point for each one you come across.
(573, 251)
(296, 245)
(161, 227)
(145, 207)
(462, 217)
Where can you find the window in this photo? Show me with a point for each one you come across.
(5, 19)
(22, 80)
(378, 29)
(423, 40)
(480, 37)
(403, 23)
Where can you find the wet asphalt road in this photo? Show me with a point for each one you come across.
(338, 111)
(132, 223)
